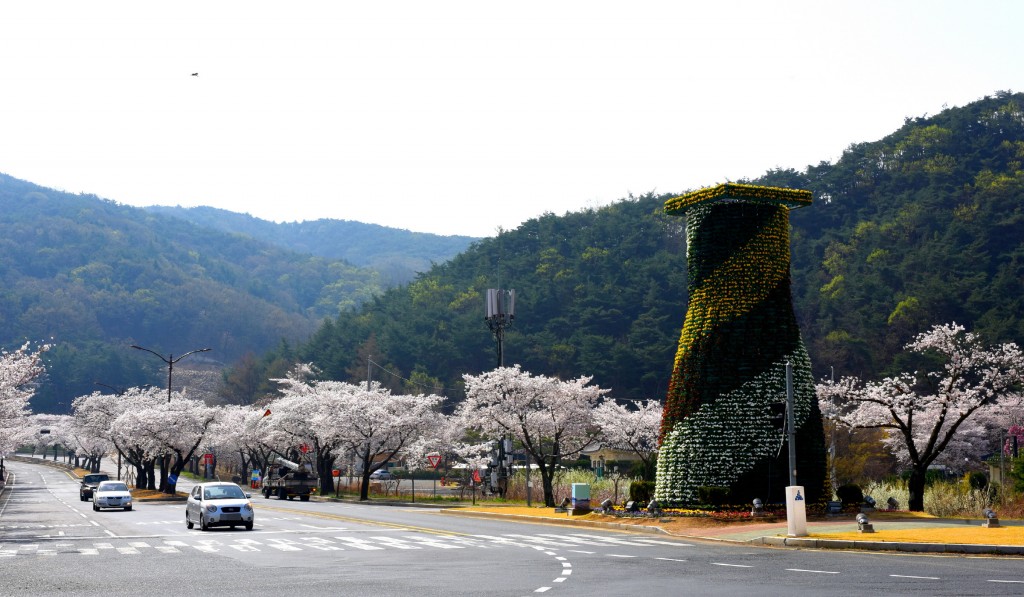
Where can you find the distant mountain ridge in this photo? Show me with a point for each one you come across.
(92, 276)
(398, 255)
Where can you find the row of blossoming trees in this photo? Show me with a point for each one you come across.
(18, 369)
(551, 419)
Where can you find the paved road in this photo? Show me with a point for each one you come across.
(53, 544)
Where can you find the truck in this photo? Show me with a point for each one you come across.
(287, 479)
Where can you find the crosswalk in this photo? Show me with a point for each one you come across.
(303, 543)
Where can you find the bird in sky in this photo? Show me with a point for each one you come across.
(195, 74)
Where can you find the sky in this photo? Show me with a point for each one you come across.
(466, 117)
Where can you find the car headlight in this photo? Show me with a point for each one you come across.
(247, 507)
(211, 508)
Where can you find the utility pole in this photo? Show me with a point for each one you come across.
(790, 423)
(796, 502)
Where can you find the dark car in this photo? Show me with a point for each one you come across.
(89, 483)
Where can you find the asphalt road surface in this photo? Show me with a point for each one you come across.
(51, 543)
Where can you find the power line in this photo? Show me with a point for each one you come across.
(407, 380)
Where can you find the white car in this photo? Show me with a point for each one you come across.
(218, 504)
(381, 475)
(111, 494)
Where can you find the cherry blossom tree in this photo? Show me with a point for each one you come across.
(302, 417)
(50, 432)
(18, 369)
(633, 427)
(372, 424)
(552, 419)
(942, 410)
(378, 425)
(178, 428)
(97, 415)
(245, 432)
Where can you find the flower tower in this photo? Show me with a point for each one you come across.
(738, 334)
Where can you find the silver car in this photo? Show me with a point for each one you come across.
(218, 504)
(111, 494)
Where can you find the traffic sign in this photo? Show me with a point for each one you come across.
(434, 459)
(207, 458)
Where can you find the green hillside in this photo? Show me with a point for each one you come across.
(924, 226)
(95, 276)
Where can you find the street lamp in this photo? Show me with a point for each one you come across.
(170, 360)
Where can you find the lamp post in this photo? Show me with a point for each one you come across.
(170, 360)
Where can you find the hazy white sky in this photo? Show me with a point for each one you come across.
(461, 117)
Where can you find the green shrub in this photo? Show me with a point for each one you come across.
(641, 491)
(850, 494)
(977, 480)
(713, 496)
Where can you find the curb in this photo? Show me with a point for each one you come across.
(790, 542)
(952, 548)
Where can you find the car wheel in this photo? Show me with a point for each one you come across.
(95, 507)
(81, 497)
(202, 523)
(248, 526)
(282, 493)
(127, 508)
(304, 498)
(188, 523)
(266, 493)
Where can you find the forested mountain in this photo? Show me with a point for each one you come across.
(922, 227)
(397, 255)
(95, 276)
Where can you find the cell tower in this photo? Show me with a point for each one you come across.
(501, 310)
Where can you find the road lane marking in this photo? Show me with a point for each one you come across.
(812, 571)
(1007, 581)
(330, 516)
(669, 560)
(915, 577)
(731, 565)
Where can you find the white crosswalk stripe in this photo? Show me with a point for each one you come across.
(300, 543)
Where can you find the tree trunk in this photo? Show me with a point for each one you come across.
(151, 474)
(325, 467)
(547, 480)
(364, 483)
(176, 468)
(915, 485)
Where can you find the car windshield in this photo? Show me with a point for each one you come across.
(95, 478)
(223, 492)
(112, 486)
